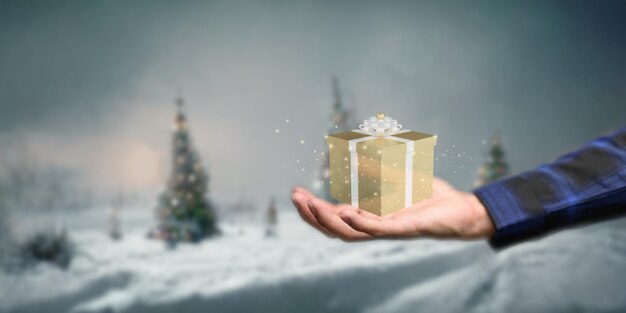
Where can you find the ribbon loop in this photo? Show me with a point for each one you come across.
(380, 127)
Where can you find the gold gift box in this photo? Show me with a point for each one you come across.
(383, 183)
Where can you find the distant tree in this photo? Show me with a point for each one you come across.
(341, 119)
(31, 184)
(6, 237)
(271, 219)
(115, 227)
(48, 246)
(496, 166)
(27, 186)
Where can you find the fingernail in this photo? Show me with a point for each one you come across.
(312, 208)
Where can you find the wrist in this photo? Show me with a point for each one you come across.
(482, 225)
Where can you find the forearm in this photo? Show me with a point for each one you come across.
(585, 185)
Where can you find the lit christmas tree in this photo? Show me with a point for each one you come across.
(496, 166)
(184, 212)
(340, 120)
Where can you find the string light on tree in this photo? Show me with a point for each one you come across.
(496, 166)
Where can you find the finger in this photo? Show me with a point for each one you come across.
(363, 213)
(299, 200)
(331, 221)
(335, 208)
(441, 186)
(341, 207)
(304, 191)
(376, 227)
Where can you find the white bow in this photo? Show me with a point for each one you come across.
(380, 127)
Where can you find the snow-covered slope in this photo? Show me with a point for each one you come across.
(300, 270)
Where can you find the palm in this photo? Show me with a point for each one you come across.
(448, 213)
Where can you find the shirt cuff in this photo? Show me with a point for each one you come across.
(513, 220)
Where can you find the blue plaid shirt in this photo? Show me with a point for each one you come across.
(582, 186)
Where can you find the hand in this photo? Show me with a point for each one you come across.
(449, 213)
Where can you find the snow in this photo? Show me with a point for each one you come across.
(300, 270)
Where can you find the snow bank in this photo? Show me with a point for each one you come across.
(301, 270)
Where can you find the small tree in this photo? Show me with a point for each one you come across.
(6, 241)
(184, 212)
(496, 166)
(271, 219)
(341, 119)
(48, 246)
(29, 185)
(115, 226)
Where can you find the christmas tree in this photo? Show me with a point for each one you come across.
(496, 166)
(184, 212)
(340, 120)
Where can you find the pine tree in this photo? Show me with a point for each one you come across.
(115, 226)
(184, 212)
(496, 166)
(6, 241)
(340, 120)
(271, 219)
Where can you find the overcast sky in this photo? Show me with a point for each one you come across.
(90, 85)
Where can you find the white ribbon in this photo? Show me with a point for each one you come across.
(354, 166)
(380, 127)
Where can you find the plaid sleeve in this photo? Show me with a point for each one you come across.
(586, 185)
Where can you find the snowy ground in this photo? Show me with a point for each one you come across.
(580, 270)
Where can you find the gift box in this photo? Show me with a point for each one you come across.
(380, 167)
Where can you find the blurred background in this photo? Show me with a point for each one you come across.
(148, 150)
